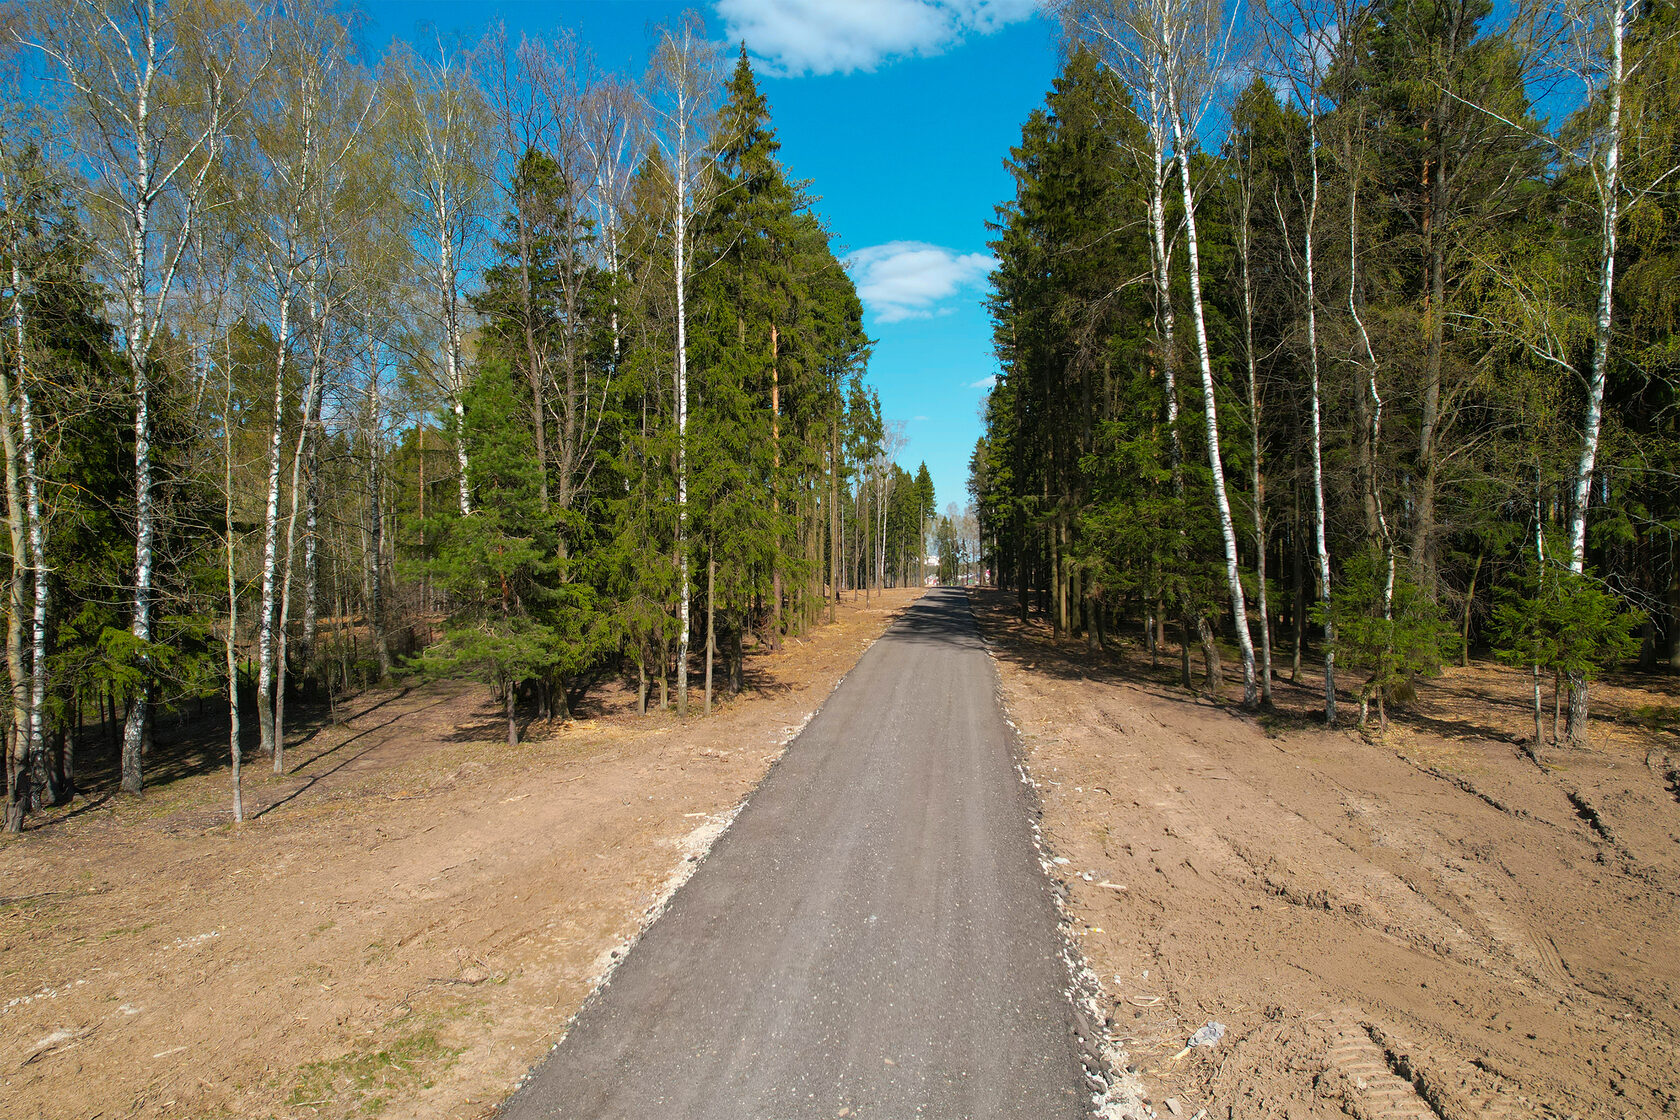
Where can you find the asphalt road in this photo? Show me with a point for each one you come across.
(873, 937)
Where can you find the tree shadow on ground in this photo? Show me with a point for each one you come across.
(192, 741)
(1295, 703)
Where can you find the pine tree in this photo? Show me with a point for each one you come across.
(498, 562)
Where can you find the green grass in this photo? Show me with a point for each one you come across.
(363, 1082)
(1655, 716)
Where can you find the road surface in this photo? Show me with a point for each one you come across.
(874, 936)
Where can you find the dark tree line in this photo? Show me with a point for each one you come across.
(1384, 375)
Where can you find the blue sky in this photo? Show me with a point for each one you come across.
(900, 112)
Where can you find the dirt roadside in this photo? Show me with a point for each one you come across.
(1428, 923)
(403, 929)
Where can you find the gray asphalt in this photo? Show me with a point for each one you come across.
(874, 936)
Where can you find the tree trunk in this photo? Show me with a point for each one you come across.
(679, 267)
(1256, 478)
(135, 727)
(1215, 670)
(311, 402)
(833, 516)
(1318, 443)
(711, 625)
(1210, 404)
(376, 527)
(1469, 610)
(271, 543)
(19, 763)
(1610, 202)
(775, 487)
(735, 666)
(232, 643)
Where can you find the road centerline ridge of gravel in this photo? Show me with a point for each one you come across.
(873, 937)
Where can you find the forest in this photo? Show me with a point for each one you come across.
(465, 361)
(1342, 333)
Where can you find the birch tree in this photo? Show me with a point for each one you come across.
(148, 90)
(1119, 32)
(20, 176)
(1170, 53)
(1301, 43)
(1191, 53)
(1589, 41)
(682, 90)
(440, 139)
(339, 207)
(611, 130)
(1241, 204)
(307, 118)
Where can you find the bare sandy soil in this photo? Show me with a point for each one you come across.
(405, 926)
(1431, 922)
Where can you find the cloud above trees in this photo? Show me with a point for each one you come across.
(910, 279)
(796, 37)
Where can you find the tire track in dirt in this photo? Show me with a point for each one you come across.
(1424, 913)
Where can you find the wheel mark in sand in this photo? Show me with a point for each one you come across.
(1374, 1089)
(1427, 1080)
(1392, 1080)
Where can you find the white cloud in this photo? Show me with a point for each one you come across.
(839, 36)
(908, 279)
(987, 382)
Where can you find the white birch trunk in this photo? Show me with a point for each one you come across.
(680, 270)
(232, 642)
(111, 57)
(1239, 612)
(311, 402)
(28, 519)
(1386, 541)
(1609, 185)
(20, 761)
(1320, 540)
(271, 540)
(449, 291)
(320, 309)
(1244, 247)
(1609, 208)
(38, 562)
(145, 530)
(1164, 309)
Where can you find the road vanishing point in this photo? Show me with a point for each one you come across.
(873, 937)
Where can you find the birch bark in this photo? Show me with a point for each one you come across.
(684, 69)
(20, 760)
(1245, 247)
(1606, 178)
(1222, 504)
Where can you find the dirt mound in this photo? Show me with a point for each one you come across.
(1439, 921)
